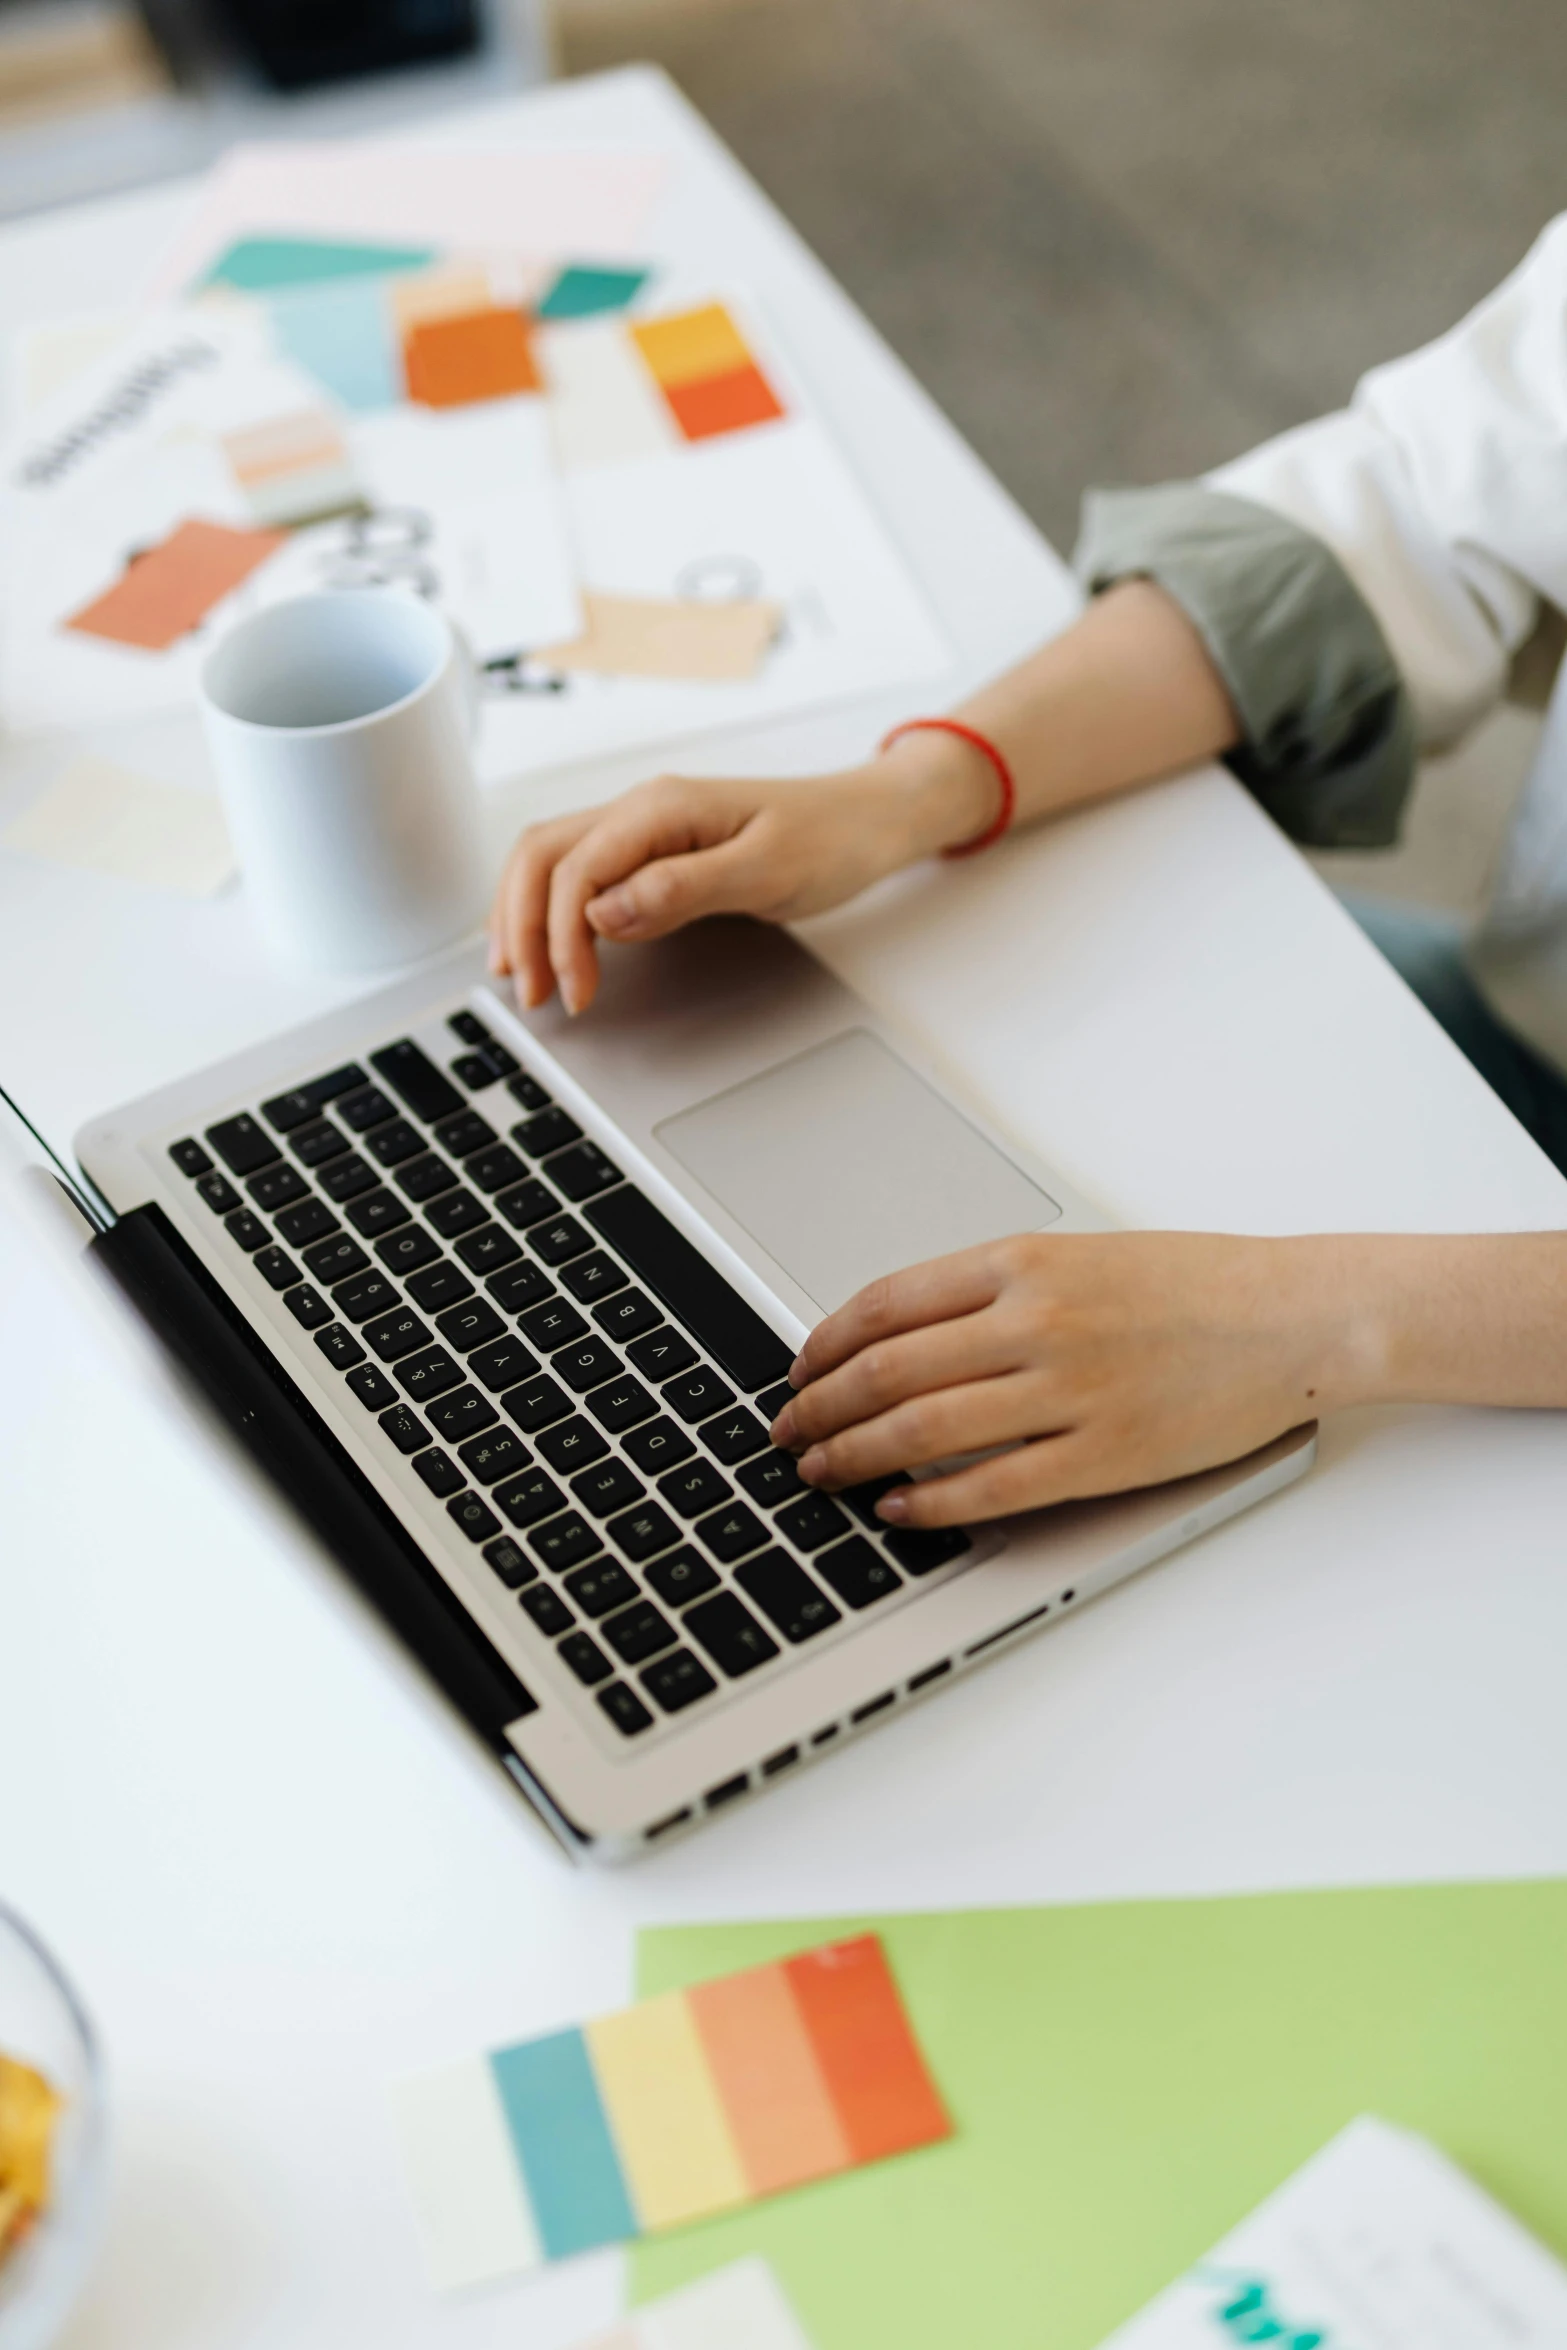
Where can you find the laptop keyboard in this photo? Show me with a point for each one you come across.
(551, 1357)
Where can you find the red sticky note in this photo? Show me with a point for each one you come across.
(479, 355)
(722, 403)
(167, 590)
(875, 2074)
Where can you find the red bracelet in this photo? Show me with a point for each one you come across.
(968, 734)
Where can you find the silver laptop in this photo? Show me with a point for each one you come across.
(506, 1306)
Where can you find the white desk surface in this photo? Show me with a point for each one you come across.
(273, 1863)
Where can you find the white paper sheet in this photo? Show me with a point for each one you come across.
(741, 2307)
(108, 820)
(1379, 2243)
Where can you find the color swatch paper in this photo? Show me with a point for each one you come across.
(580, 292)
(690, 2103)
(645, 636)
(294, 469)
(741, 2307)
(342, 333)
(604, 405)
(1126, 2079)
(706, 371)
(451, 362)
(167, 590)
(108, 820)
(264, 265)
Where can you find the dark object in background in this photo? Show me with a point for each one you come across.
(297, 42)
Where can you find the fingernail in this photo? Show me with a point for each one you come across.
(569, 996)
(894, 1507)
(797, 1372)
(615, 910)
(497, 961)
(814, 1464)
(783, 1427)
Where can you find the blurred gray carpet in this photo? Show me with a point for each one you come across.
(1120, 240)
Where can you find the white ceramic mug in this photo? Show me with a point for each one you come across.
(340, 724)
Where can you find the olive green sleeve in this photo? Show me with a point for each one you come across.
(1329, 742)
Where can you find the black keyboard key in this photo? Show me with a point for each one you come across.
(394, 1334)
(772, 1400)
(357, 1300)
(247, 1230)
(493, 1169)
(378, 1212)
(581, 1172)
(638, 1632)
(394, 1143)
(277, 1270)
(537, 1403)
(470, 1325)
(922, 1549)
(586, 1659)
(695, 1488)
(462, 1413)
(494, 1455)
(488, 1249)
(426, 1176)
(572, 1444)
(857, 1572)
(642, 1532)
(697, 1393)
(693, 1290)
(439, 1285)
(503, 1063)
(335, 1259)
(189, 1157)
(528, 1499)
(440, 1472)
(243, 1144)
(311, 1220)
(548, 1130)
(468, 1028)
(465, 1133)
(277, 1187)
(587, 1364)
(317, 1144)
(563, 1541)
(730, 1633)
(527, 1203)
(862, 1499)
(559, 1242)
(429, 1374)
(219, 1194)
(366, 1108)
(734, 1436)
(548, 1610)
(730, 1533)
(773, 1477)
(415, 1079)
(509, 1562)
(592, 1276)
(346, 1178)
(474, 1515)
(596, 1588)
(503, 1364)
(659, 1446)
(633, 1315)
(787, 1597)
(812, 1520)
(621, 1403)
(457, 1211)
(606, 1487)
(677, 1680)
(476, 1071)
(553, 1325)
(681, 1576)
(406, 1430)
(287, 1110)
(374, 1390)
(341, 1348)
(528, 1093)
(662, 1353)
(625, 1709)
(404, 1252)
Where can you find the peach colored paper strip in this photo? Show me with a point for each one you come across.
(784, 2122)
(885, 2098)
(164, 593)
(645, 636)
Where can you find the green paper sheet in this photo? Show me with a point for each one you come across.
(1127, 2080)
(264, 264)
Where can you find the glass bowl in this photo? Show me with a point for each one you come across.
(42, 2023)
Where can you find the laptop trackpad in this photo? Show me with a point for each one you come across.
(844, 1164)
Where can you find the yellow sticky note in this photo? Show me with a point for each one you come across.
(674, 2143)
(692, 345)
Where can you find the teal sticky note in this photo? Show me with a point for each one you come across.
(558, 2128)
(342, 335)
(261, 265)
(579, 292)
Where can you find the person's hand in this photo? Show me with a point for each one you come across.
(1103, 1360)
(683, 846)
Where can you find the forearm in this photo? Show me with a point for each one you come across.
(1127, 694)
(1478, 1319)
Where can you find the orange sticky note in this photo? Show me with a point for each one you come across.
(886, 2100)
(722, 403)
(166, 591)
(482, 355)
